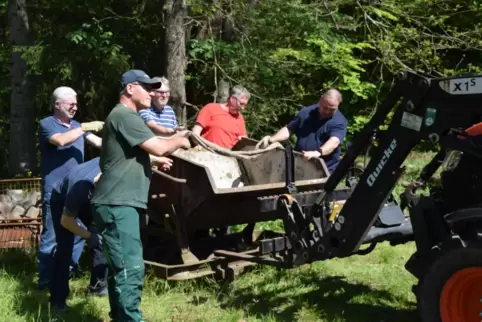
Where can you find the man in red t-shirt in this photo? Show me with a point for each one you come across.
(222, 123)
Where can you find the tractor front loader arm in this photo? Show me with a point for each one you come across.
(424, 109)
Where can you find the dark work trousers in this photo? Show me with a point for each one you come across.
(59, 286)
(119, 227)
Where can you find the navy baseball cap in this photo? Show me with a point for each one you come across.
(137, 75)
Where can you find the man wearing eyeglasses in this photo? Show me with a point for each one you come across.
(160, 117)
(121, 193)
(223, 123)
(62, 142)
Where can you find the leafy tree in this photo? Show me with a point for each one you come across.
(285, 52)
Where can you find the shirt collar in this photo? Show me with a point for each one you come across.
(155, 110)
(316, 114)
(61, 123)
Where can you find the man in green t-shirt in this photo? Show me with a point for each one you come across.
(123, 188)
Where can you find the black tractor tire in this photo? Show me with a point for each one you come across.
(430, 290)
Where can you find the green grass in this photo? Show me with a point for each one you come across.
(374, 287)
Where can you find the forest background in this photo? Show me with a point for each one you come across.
(284, 52)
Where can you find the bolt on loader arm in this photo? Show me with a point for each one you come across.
(426, 109)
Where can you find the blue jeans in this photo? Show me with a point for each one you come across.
(48, 246)
(59, 286)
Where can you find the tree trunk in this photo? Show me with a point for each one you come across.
(222, 91)
(176, 55)
(22, 156)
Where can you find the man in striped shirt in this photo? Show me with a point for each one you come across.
(160, 117)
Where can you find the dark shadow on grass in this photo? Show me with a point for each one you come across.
(31, 302)
(332, 300)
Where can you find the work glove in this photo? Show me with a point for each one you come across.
(95, 240)
(264, 142)
(94, 126)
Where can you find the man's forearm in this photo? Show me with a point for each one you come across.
(159, 129)
(163, 146)
(66, 138)
(69, 223)
(329, 146)
(282, 135)
(197, 129)
(170, 145)
(94, 140)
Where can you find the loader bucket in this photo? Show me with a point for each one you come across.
(212, 190)
(207, 190)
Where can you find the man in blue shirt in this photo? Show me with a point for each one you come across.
(160, 117)
(61, 147)
(320, 129)
(70, 202)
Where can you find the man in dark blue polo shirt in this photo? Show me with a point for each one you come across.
(61, 147)
(320, 129)
(70, 203)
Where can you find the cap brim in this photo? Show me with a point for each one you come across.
(150, 82)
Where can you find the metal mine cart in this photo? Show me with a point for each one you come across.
(191, 206)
